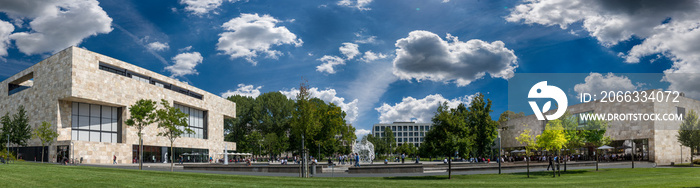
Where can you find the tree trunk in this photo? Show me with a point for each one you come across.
(140, 152)
(527, 160)
(449, 170)
(42, 153)
(558, 163)
(567, 158)
(171, 156)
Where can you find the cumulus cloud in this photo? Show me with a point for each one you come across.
(361, 133)
(371, 56)
(594, 83)
(243, 90)
(422, 110)
(251, 34)
(670, 28)
(5, 29)
(350, 50)
(329, 62)
(55, 25)
(200, 7)
(185, 63)
(158, 46)
(329, 96)
(425, 56)
(358, 4)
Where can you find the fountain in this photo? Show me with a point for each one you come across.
(365, 149)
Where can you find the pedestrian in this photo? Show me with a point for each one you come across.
(550, 163)
(403, 158)
(114, 160)
(357, 160)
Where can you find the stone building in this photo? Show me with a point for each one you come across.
(86, 96)
(654, 140)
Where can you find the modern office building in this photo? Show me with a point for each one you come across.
(86, 97)
(404, 132)
(654, 140)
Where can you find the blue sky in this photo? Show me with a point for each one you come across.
(381, 61)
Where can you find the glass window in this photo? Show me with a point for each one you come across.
(195, 120)
(96, 123)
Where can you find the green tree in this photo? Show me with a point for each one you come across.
(389, 140)
(594, 134)
(479, 120)
(142, 114)
(507, 116)
(173, 124)
(526, 138)
(22, 131)
(575, 135)
(272, 113)
(305, 122)
(237, 128)
(253, 143)
(689, 133)
(6, 122)
(46, 134)
(450, 133)
(552, 138)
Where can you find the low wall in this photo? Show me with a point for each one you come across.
(381, 169)
(252, 168)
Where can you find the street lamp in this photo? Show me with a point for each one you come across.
(72, 152)
(499, 151)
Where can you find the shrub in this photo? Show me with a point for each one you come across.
(696, 161)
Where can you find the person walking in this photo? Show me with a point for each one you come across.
(357, 160)
(403, 158)
(549, 158)
(114, 160)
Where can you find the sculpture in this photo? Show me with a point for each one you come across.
(365, 149)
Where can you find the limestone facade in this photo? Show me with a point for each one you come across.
(663, 145)
(73, 75)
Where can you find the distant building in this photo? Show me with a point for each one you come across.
(404, 132)
(653, 140)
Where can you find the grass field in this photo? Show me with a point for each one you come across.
(26, 174)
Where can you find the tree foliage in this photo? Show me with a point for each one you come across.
(484, 129)
(142, 114)
(46, 134)
(172, 123)
(552, 138)
(689, 132)
(16, 128)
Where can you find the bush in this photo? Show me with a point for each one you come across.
(696, 161)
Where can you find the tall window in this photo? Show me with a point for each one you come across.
(197, 121)
(95, 123)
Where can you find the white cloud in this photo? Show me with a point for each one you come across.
(158, 46)
(243, 90)
(188, 48)
(365, 39)
(594, 83)
(55, 25)
(371, 56)
(329, 63)
(329, 96)
(359, 133)
(5, 29)
(425, 56)
(422, 110)
(350, 50)
(371, 86)
(200, 7)
(185, 63)
(359, 4)
(251, 34)
(670, 28)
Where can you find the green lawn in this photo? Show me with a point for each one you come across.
(25, 174)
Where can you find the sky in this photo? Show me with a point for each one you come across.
(379, 60)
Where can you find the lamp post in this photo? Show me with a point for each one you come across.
(499, 151)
